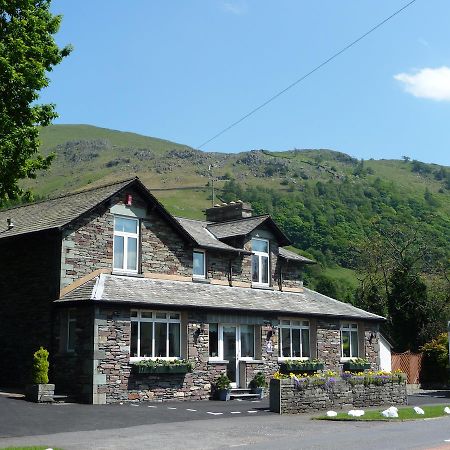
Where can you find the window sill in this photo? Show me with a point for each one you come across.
(262, 286)
(122, 273)
(201, 280)
(218, 361)
(282, 359)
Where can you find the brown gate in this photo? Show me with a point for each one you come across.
(409, 363)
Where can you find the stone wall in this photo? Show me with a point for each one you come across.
(29, 282)
(87, 246)
(117, 382)
(285, 398)
(73, 370)
(329, 343)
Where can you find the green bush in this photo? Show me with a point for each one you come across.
(223, 382)
(435, 360)
(258, 381)
(40, 367)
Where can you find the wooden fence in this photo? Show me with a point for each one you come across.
(409, 363)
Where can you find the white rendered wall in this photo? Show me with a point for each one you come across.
(385, 355)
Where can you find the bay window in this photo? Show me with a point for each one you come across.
(349, 340)
(155, 334)
(126, 239)
(260, 261)
(294, 337)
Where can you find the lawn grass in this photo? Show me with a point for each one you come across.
(30, 448)
(404, 413)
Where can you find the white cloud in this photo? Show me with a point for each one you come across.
(237, 8)
(428, 83)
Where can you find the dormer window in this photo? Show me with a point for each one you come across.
(260, 261)
(199, 264)
(126, 237)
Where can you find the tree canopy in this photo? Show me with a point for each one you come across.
(27, 52)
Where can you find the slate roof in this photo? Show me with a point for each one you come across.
(56, 212)
(177, 294)
(291, 256)
(198, 230)
(242, 227)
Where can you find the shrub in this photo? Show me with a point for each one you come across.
(223, 382)
(40, 367)
(259, 381)
(435, 360)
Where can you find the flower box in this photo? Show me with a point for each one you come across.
(355, 366)
(300, 367)
(168, 369)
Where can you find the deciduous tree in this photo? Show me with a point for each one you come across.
(27, 52)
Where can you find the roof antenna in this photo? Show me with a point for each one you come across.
(213, 201)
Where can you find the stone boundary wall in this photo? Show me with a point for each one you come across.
(285, 398)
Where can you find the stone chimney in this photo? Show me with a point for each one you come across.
(229, 211)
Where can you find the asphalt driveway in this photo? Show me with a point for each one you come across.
(22, 418)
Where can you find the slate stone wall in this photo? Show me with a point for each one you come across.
(87, 246)
(329, 343)
(73, 370)
(29, 281)
(118, 382)
(285, 398)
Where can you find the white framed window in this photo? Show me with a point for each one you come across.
(231, 341)
(155, 334)
(294, 339)
(126, 241)
(260, 262)
(349, 340)
(199, 264)
(71, 330)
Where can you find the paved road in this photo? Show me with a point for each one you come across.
(205, 425)
(255, 432)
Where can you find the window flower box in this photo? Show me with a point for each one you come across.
(293, 366)
(162, 366)
(356, 365)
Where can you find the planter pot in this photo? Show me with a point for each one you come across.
(355, 367)
(40, 393)
(182, 368)
(224, 394)
(306, 367)
(259, 391)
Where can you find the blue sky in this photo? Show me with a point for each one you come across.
(183, 70)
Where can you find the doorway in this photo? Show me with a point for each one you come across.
(236, 343)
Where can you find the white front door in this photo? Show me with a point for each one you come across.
(237, 343)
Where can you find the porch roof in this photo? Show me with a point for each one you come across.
(164, 293)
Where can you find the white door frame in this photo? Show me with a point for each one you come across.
(238, 349)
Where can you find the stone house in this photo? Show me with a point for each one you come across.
(107, 277)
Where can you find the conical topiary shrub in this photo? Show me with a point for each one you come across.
(40, 366)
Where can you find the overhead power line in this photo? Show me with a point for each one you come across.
(306, 75)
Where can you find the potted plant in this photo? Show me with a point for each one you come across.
(258, 384)
(223, 387)
(40, 390)
(356, 365)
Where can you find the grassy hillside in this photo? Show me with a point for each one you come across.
(323, 199)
